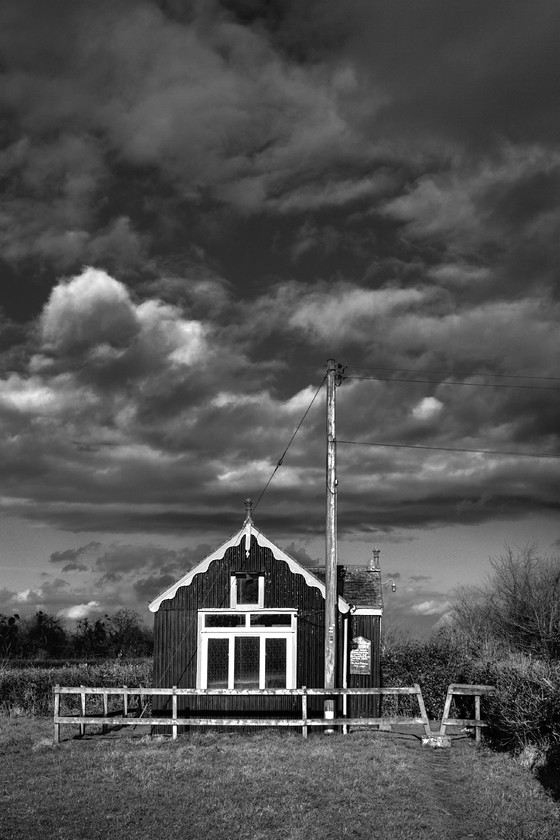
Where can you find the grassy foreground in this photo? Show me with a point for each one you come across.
(264, 786)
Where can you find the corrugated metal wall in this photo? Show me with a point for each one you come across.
(176, 631)
(368, 626)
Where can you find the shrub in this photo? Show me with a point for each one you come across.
(433, 664)
(525, 711)
(28, 691)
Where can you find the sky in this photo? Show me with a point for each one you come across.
(202, 202)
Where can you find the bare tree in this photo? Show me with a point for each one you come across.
(519, 607)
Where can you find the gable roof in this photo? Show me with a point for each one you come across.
(248, 531)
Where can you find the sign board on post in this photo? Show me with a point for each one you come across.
(360, 656)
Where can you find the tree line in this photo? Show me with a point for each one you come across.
(44, 636)
(517, 610)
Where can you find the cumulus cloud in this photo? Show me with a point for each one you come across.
(80, 610)
(430, 607)
(427, 408)
(253, 189)
(142, 412)
(92, 309)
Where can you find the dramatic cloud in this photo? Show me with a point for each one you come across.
(427, 408)
(81, 610)
(430, 607)
(72, 556)
(202, 203)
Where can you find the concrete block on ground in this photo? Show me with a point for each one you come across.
(437, 742)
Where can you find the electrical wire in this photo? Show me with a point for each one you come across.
(281, 461)
(453, 382)
(448, 449)
(471, 373)
(278, 465)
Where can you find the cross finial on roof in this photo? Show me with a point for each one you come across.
(248, 525)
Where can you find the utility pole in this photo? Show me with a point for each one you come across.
(330, 541)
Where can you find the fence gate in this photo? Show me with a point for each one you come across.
(476, 691)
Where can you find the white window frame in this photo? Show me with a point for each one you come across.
(235, 604)
(289, 633)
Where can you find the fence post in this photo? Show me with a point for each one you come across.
(477, 732)
(105, 711)
(174, 712)
(304, 711)
(446, 709)
(82, 710)
(423, 714)
(56, 734)
(125, 701)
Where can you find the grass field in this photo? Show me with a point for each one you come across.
(263, 786)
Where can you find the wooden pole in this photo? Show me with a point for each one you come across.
(56, 714)
(330, 541)
(477, 717)
(83, 711)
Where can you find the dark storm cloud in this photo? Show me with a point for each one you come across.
(257, 187)
(131, 125)
(127, 576)
(123, 558)
(72, 555)
(148, 588)
(163, 448)
(74, 567)
(299, 553)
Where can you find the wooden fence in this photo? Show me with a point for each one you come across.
(122, 718)
(476, 691)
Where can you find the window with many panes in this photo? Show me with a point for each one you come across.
(247, 650)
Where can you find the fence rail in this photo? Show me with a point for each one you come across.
(175, 721)
(458, 689)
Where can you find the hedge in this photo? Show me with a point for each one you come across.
(28, 691)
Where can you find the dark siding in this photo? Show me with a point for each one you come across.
(369, 627)
(176, 629)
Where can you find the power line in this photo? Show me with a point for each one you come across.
(281, 461)
(449, 382)
(448, 449)
(471, 373)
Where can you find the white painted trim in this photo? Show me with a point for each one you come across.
(367, 611)
(201, 658)
(264, 633)
(233, 595)
(231, 661)
(247, 627)
(294, 566)
(201, 567)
